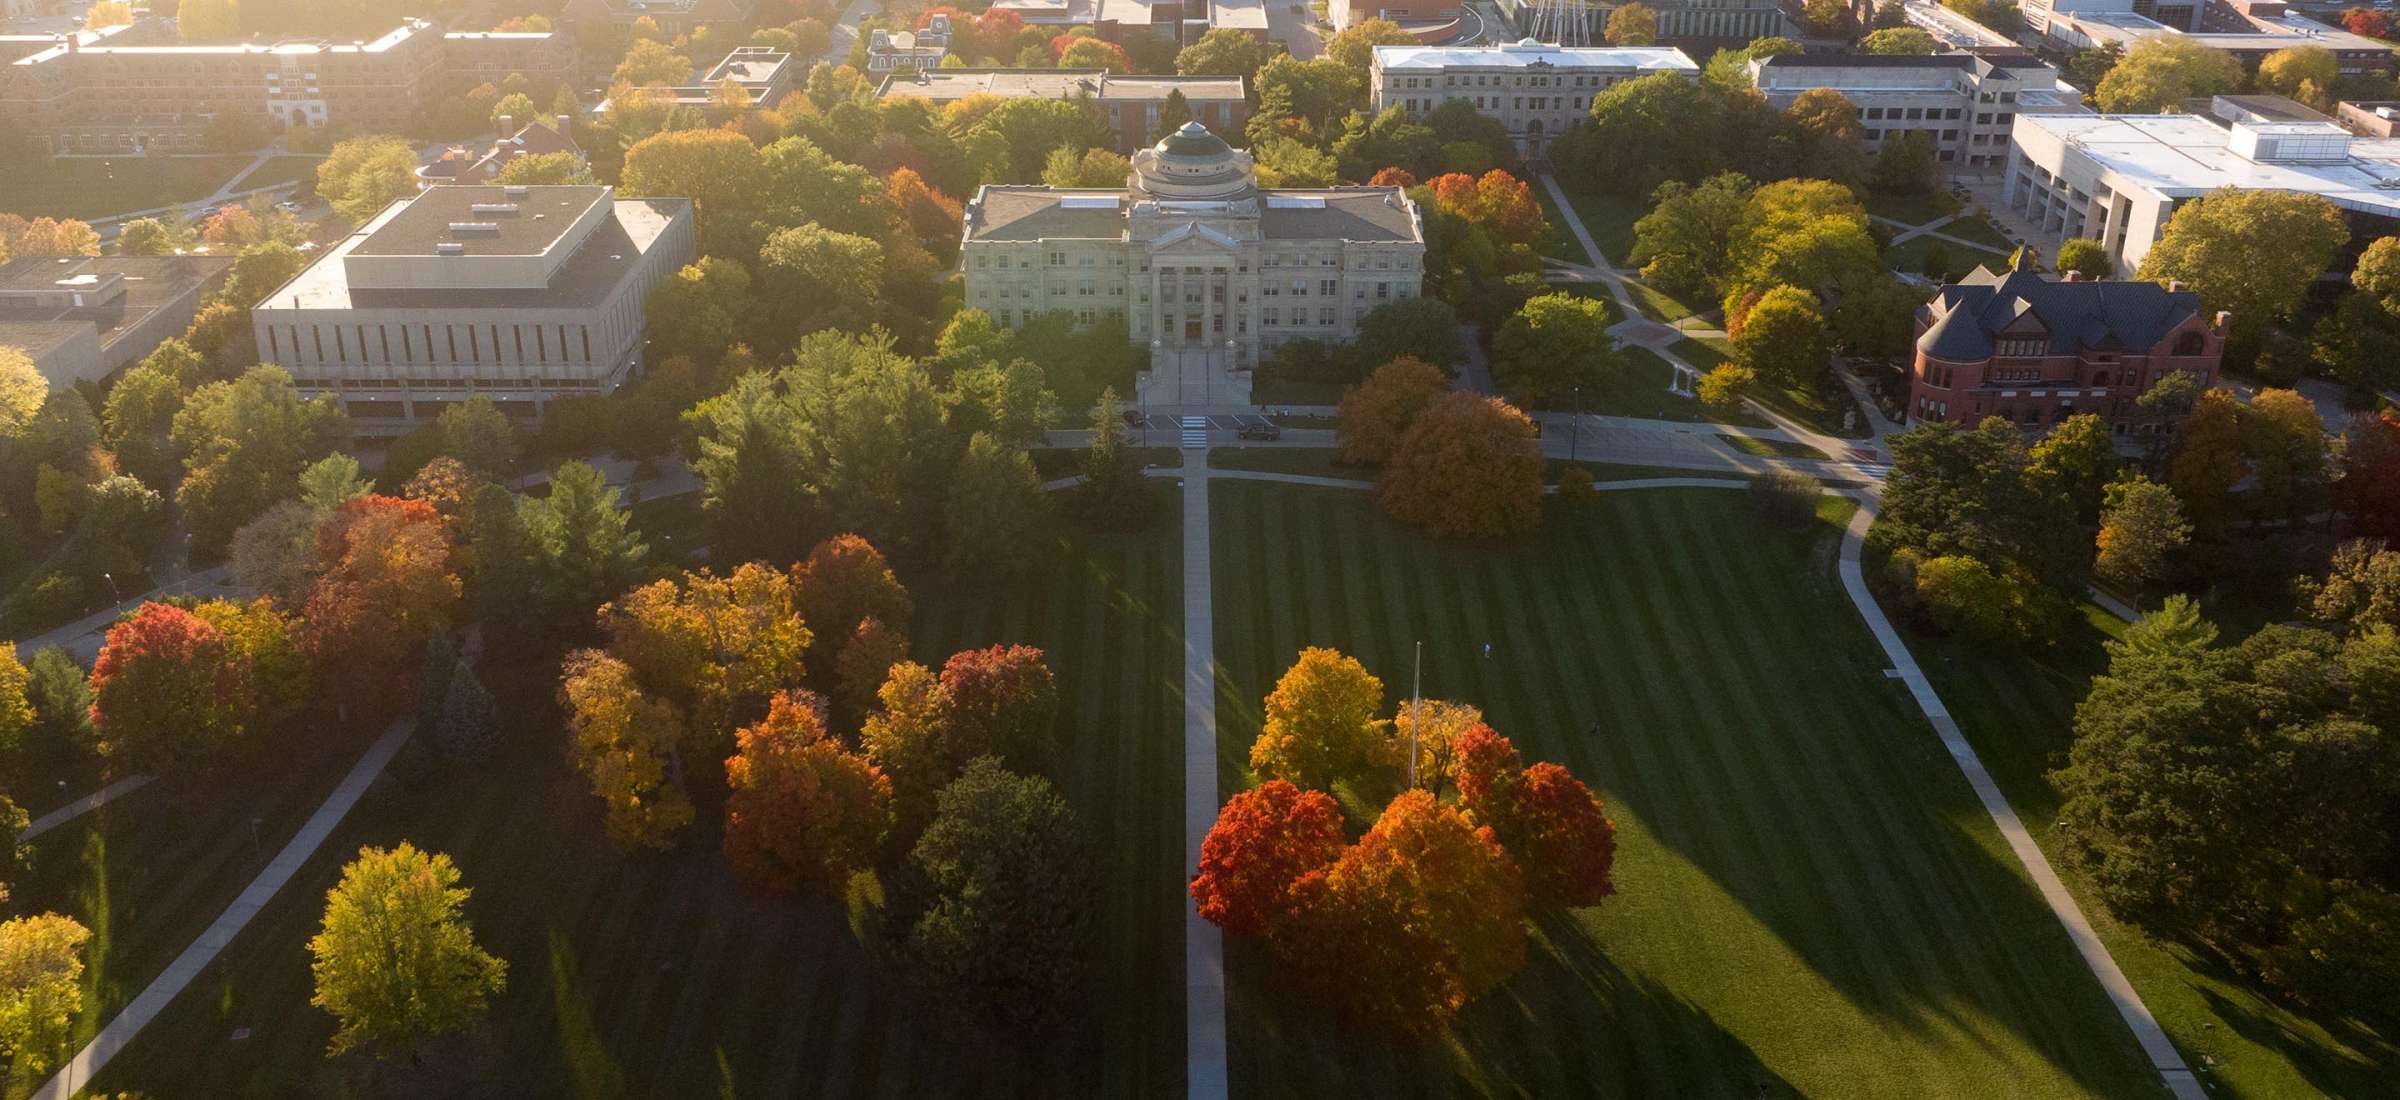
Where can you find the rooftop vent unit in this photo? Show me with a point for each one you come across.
(516, 191)
(450, 248)
(1088, 202)
(474, 229)
(493, 208)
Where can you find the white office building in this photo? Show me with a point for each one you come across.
(2118, 178)
(1537, 90)
(1966, 104)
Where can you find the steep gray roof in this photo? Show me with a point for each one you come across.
(2105, 315)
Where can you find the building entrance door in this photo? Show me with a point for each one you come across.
(1191, 330)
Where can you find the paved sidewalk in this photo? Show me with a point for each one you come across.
(1686, 375)
(154, 999)
(1203, 943)
(83, 636)
(2153, 1039)
(85, 805)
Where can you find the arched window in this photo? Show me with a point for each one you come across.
(2190, 343)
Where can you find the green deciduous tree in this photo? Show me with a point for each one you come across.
(2254, 252)
(1898, 40)
(1554, 344)
(245, 443)
(2162, 71)
(1007, 919)
(363, 175)
(2141, 523)
(1783, 339)
(996, 514)
(41, 989)
(1633, 24)
(1224, 51)
(396, 962)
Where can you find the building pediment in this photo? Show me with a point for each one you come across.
(1193, 238)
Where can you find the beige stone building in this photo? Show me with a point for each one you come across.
(1537, 90)
(519, 294)
(1209, 271)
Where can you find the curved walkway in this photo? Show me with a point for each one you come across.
(77, 1073)
(2154, 1042)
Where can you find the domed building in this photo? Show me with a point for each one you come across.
(1202, 266)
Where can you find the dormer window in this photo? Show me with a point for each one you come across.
(2020, 347)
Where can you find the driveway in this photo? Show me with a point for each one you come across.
(1296, 30)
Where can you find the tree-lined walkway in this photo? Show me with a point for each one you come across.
(1685, 373)
(162, 990)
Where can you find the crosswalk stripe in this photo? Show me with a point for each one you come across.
(1195, 432)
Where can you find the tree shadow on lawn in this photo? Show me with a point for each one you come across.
(1596, 1030)
(2349, 1056)
(1898, 892)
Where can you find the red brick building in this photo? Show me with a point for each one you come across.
(2034, 349)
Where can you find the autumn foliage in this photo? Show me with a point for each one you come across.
(931, 215)
(1263, 841)
(1393, 177)
(1375, 413)
(1003, 702)
(1496, 202)
(389, 586)
(1320, 720)
(626, 744)
(2367, 21)
(166, 690)
(801, 810)
(1469, 467)
(1543, 815)
(845, 581)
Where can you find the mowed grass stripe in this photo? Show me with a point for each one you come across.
(771, 995)
(1798, 891)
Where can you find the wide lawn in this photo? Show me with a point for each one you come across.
(93, 187)
(1608, 218)
(662, 976)
(2018, 710)
(1810, 900)
(280, 170)
(1935, 258)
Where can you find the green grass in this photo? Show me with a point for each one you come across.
(1820, 410)
(660, 976)
(1609, 219)
(1911, 256)
(280, 170)
(1977, 229)
(1558, 242)
(1658, 303)
(84, 187)
(1277, 391)
(1810, 899)
(1057, 462)
(148, 872)
(1770, 448)
(1308, 461)
(2018, 710)
(1704, 353)
(1913, 209)
(1640, 390)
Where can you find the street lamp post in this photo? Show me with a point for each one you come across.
(1575, 438)
(112, 587)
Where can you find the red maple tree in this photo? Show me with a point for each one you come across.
(801, 811)
(1263, 842)
(167, 689)
(1003, 701)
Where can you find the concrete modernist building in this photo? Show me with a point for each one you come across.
(1428, 20)
(2249, 39)
(1129, 105)
(764, 73)
(1118, 20)
(129, 99)
(2035, 350)
(2118, 178)
(1208, 270)
(80, 318)
(520, 294)
(1965, 103)
(1538, 91)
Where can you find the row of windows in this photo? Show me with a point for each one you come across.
(1493, 80)
(339, 383)
(1909, 114)
(410, 348)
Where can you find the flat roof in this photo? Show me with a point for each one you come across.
(542, 216)
(149, 283)
(2125, 26)
(608, 257)
(2185, 156)
(1029, 213)
(1529, 54)
(948, 84)
(286, 48)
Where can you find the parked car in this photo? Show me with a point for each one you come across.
(1135, 420)
(287, 206)
(1269, 431)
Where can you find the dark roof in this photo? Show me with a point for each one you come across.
(1868, 61)
(1194, 142)
(2103, 315)
(543, 215)
(149, 284)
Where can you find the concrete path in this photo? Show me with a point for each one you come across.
(845, 29)
(1686, 375)
(1203, 943)
(2153, 1039)
(2163, 1056)
(85, 805)
(1930, 229)
(161, 991)
(83, 636)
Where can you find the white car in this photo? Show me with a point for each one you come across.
(287, 206)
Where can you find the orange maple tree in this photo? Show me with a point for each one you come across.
(801, 811)
(167, 688)
(1470, 466)
(1375, 413)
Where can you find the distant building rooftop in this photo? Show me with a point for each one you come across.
(1529, 54)
(2185, 156)
(40, 293)
(943, 85)
(522, 221)
(615, 234)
